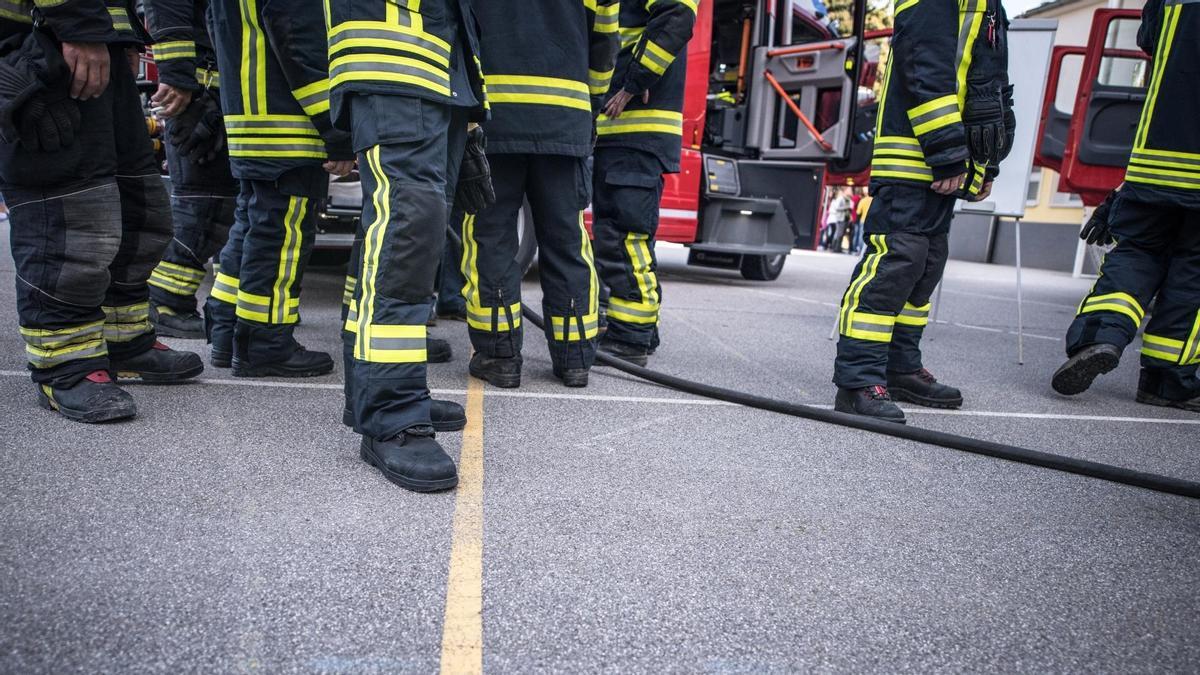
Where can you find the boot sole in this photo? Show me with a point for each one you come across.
(910, 397)
(894, 420)
(573, 381)
(403, 481)
(1076, 378)
(87, 416)
(444, 425)
(1150, 399)
(181, 334)
(274, 371)
(640, 361)
(496, 379)
(130, 376)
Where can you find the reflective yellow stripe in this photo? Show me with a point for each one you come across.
(870, 266)
(389, 68)
(656, 58)
(253, 307)
(470, 261)
(599, 82)
(1121, 303)
(936, 114)
(289, 261)
(530, 89)
(1163, 348)
(566, 328)
(607, 18)
(254, 59)
(903, 6)
(175, 49)
(208, 78)
(690, 4)
(912, 315)
(641, 121)
(970, 21)
(645, 313)
(493, 319)
(630, 35)
(348, 290)
(225, 288)
(126, 322)
(313, 98)
(46, 348)
(120, 19)
(873, 327)
(387, 343)
(585, 250)
(372, 251)
(390, 37)
(1191, 350)
(1166, 39)
(637, 249)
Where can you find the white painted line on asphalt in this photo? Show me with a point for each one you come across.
(501, 393)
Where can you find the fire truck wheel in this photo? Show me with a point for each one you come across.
(763, 267)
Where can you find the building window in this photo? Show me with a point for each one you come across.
(1034, 189)
(1068, 200)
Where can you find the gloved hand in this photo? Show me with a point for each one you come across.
(48, 121)
(474, 192)
(983, 117)
(1095, 230)
(199, 131)
(28, 65)
(1010, 120)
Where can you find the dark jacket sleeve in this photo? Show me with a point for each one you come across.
(1148, 32)
(300, 45)
(77, 20)
(171, 25)
(603, 44)
(666, 37)
(924, 46)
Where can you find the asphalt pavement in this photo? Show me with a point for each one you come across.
(231, 527)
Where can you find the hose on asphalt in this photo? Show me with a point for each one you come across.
(1082, 467)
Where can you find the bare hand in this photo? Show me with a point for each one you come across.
(947, 186)
(169, 100)
(984, 193)
(339, 168)
(616, 104)
(89, 64)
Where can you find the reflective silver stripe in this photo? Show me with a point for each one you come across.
(633, 311)
(388, 36)
(50, 358)
(501, 320)
(313, 99)
(518, 89)
(1142, 156)
(1142, 173)
(949, 109)
(921, 171)
(1109, 300)
(916, 314)
(242, 147)
(897, 146)
(57, 339)
(964, 33)
(397, 344)
(250, 306)
(243, 127)
(871, 327)
(343, 68)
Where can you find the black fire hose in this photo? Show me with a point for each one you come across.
(1012, 453)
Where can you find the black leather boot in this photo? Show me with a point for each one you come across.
(572, 377)
(1084, 366)
(413, 460)
(869, 402)
(302, 363)
(1151, 391)
(923, 388)
(171, 323)
(437, 350)
(635, 354)
(158, 365)
(94, 399)
(445, 415)
(502, 372)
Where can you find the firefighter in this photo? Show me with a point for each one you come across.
(545, 97)
(945, 121)
(1155, 220)
(407, 82)
(275, 94)
(203, 189)
(639, 137)
(89, 214)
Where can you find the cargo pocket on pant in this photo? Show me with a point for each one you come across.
(900, 208)
(635, 196)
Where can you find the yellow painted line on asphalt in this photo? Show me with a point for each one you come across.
(462, 629)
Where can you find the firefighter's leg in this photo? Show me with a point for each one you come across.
(894, 261)
(275, 252)
(1171, 343)
(558, 193)
(145, 231)
(1109, 317)
(202, 206)
(450, 301)
(220, 310)
(628, 187)
(492, 285)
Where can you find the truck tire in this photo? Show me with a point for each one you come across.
(763, 267)
(527, 246)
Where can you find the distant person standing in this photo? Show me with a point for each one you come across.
(839, 218)
(861, 209)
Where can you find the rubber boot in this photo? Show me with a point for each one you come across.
(1084, 366)
(437, 350)
(572, 377)
(1151, 392)
(923, 388)
(635, 354)
(414, 460)
(158, 365)
(445, 415)
(502, 372)
(302, 363)
(94, 399)
(168, 322)
(869, 402)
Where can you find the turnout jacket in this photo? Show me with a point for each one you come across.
(108, 21)
(942, 52)
(1165, 163)
(275, 89)
(183, 50)
(544, 94)
(427, 49)
(654, 37)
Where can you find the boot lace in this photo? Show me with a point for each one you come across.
(879, 393)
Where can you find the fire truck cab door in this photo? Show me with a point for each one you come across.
(803, 98)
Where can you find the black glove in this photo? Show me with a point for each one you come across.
(474, 192)
(33, 94)
(198, 133)
(1010, 120)
(983, 117)
(1095, 230)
